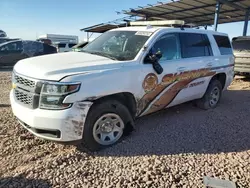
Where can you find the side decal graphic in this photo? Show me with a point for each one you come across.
(153, 89)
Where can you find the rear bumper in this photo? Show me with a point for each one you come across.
(57, 125)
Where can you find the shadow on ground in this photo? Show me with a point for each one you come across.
(187, 129)
(21, 182)
(4, 105)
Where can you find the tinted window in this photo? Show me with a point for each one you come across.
(61, 45)
(47, 49)
(168, 45)
(32, 47)
(195, 45)
(71, 45)
(223, 44)
(12, 46)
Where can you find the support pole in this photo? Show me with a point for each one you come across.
(217, 14)
(246, 23)
(87, 36)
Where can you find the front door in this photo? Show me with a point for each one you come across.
(180, 72)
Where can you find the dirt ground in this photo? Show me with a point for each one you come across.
(176, 147)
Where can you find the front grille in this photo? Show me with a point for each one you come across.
(26, 91)
(24, 97)
(25, 82)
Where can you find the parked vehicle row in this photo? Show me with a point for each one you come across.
(13, 51)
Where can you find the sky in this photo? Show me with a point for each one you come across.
(27, 19)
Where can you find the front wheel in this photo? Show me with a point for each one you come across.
(105, 124)
(212, 96)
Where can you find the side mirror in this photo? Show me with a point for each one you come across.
(154, 60)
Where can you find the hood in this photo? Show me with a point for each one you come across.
(56, 66)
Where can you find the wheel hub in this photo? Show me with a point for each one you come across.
(107, 127)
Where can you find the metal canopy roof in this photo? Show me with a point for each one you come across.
(101, 28)
(193, 12)
(200, 12)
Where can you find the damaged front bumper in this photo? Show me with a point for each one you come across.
(57, 125)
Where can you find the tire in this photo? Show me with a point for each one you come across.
(97, 124)
(206, 101)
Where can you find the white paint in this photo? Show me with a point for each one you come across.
(53, 119)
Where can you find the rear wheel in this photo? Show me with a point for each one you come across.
(212, 96)
(105, 124)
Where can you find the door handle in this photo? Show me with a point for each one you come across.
(181, 69)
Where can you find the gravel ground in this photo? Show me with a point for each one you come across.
(176, 147)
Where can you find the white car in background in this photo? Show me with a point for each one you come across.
(95, 95)
(64, 47)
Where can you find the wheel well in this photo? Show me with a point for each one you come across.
(126, 98)
(221, 77)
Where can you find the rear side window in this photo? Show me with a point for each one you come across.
(47, 49)
(223, 44)
(61, 45)
(195, 45)
(71, 45)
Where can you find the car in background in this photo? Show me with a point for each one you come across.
(13, 51)
(3, 33)
(241, 47)
(79, 46)
(64, 47)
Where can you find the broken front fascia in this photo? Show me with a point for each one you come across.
(74, 123)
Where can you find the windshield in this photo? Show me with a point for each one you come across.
(118, 45)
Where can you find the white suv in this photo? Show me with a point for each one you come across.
(95, 95)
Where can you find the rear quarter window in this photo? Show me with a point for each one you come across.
(61, 45)
(224, 44)
(71, 45)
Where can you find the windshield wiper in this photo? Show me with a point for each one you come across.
(101, 54)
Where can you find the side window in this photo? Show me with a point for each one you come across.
(19, 46)
(3, 48)
(61, 45)
(71, 45)
(169, 46)
(223, 44)
(195, 45)
(12, 46)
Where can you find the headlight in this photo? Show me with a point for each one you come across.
(52, 95)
